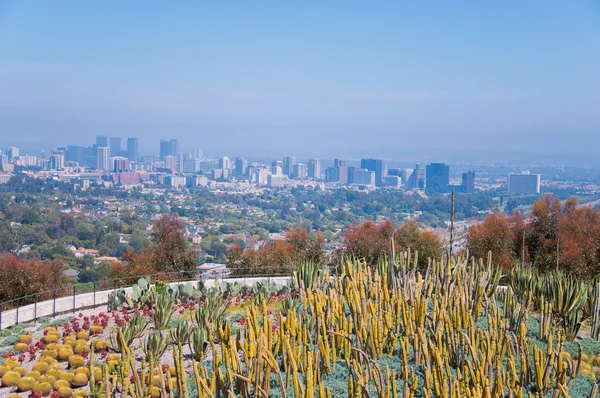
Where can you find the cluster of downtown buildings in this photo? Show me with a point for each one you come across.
(123, 164)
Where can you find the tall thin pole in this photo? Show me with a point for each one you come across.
(452, 226)
(557, 251)
(523, 250)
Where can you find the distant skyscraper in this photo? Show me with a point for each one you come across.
(314, 169)
(171, 162)
(332, 174)
(437, 177)
(277, 167)
(115, 146)
(101, 141)
(103, 158)
(288, 165)
(225, 163)
(241, 166)
(192, 166)
(300, 171)
(417, 178)
(468, 182)
(352, 173)
(376, 165)
(12, 152)
(168, 147)
(181, 158)
(196, 154)
(133, 149)
(342, 166)
(121, 165)
(524, 183)
(364, 177)
(76, 153)
(57, 162)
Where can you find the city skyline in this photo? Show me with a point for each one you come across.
(514, 77)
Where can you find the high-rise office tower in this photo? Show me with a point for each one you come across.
(300, 171)
(181, 158)
(437, 177)
(57, 162)
(101, 141)
(417, 178)
(76, 153)
(168, 147)
(376, 165)
(103, 157)
(364, 177)
(121, 165)
(133, 149)
(165, 149)
(241, 166)
(342, 166)
(288, 165)
(524, 183)
(225, 163)
(314, 169)
(115, 146)
(191, 166)
(468, 182)
(196, 154)
(332, 174)
(171, 162)
(12, 152)
(351, 173)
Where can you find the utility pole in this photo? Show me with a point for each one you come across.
(523, 251)
(557, 251)
(452, 226)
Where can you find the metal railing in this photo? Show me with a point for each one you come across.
(116, 283)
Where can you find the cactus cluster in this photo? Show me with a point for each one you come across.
(384, 331)
(394, 331)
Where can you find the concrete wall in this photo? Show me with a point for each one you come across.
(68, 305)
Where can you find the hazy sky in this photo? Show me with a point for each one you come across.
(255, 77)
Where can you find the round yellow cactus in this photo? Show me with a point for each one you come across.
(60, 383)
(76, 361)
(42, 387)
(65, 392)
(21, 347)
(79, 380)
(34, 374)
(26, 339)
(25, 384)
(10, 379)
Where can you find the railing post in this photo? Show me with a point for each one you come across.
(74, 299)
(94, 294)
(35, 311)
(17, 313)
(54, 304)
(1, 308)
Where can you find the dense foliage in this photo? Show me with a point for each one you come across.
(556, 236)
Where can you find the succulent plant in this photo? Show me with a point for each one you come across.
(181, 333)
(199, 343)
(163, 312)
(155, 345)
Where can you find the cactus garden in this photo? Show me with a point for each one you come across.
(456, 328)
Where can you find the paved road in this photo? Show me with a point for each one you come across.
(66, 305)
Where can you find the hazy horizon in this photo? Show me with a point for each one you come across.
(313, 79)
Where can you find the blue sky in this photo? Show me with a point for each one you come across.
(334, 76)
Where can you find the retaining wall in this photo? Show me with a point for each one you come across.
(99, 299)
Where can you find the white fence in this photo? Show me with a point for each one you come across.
(98, 299)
